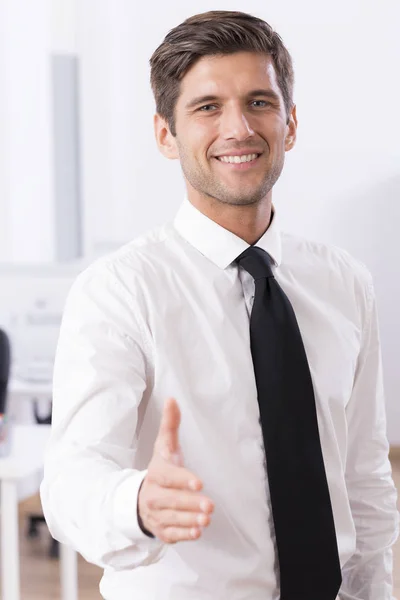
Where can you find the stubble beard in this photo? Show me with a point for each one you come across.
(210, 186)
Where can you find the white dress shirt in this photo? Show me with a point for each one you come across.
(168, 315)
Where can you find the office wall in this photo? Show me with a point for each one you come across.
(341, 184)
(63, 26)
(39, 177)
(25, 128)
(4, 169)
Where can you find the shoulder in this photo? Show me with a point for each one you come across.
(332, 270)
(127, 266)
(323, 257)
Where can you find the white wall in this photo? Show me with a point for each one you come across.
(342, 182)
(63, 26)
(4, 166)
(30, 32)
(25, 127)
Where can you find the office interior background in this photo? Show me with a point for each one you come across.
(80, 173)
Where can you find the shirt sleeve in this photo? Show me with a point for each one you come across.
(372, 494)
(89, 491)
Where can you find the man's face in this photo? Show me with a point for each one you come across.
(231, 106)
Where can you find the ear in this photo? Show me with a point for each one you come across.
(291, 130)
(166, 142)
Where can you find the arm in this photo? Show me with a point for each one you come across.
(89, 492)
(368, 574)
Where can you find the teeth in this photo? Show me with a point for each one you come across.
(238, 159)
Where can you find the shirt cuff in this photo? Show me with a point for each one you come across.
(125, 509)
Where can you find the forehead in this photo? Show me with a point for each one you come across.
(232, 74)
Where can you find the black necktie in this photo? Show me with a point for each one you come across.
(301, 507)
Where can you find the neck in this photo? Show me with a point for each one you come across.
(249, 222)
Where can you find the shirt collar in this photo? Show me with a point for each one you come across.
(218, 244)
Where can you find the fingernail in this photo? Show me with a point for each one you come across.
(202, 520)
(193, 484)
(204, 505)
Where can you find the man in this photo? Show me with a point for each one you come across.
(218, 421)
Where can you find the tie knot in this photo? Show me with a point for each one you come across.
(256, 261)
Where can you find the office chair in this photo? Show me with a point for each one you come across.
(5, 361)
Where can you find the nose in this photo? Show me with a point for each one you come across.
(235, 124)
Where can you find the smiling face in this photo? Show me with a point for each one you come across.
(232, 130)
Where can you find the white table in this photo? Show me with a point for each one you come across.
(22, 393)
(25, 459)
(30, 388)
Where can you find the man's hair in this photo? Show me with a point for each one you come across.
(214, 33)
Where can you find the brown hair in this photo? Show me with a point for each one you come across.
(214, 33)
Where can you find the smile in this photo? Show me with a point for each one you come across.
(245, 158)
(244, 162)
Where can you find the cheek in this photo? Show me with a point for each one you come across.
(272, 128)
(196, 139)
(203, 134)
(277, 141)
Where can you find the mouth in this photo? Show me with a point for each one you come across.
(239, 163)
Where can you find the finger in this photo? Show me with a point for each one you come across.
(167, 443)
(180, 518)
(171, 499)
(179, 534)
(169, 476)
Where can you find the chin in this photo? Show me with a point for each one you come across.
(242, 200)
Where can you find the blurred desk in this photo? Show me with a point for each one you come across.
(28, 399)
(26, 458)
(30, 388)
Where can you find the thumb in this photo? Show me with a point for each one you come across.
(168, 435)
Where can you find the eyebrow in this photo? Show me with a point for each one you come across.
(260, 92)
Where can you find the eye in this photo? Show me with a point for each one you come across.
(207, 108)
(260, 103)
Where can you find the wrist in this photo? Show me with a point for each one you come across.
(139, 518)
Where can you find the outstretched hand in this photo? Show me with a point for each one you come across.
(170, 504)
